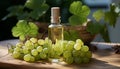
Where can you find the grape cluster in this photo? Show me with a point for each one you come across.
(38, 49)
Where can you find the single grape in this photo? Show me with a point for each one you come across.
(42, 55)
(88, 54)
(33, 40)
(70, 45)
(78, 60)
(69, 60)
(84, 48)
(36, 45)
(80, 42)
(45, 50)
(20, 44)
(28, 43)
(27, 57)
(34, 52)
(31, 47)
(32, 59)
(64, 43)
(39, 48)
(81, 54)
(41, 42)
(67, 54)
(75, 53)
(26, 51)
(71, 42)
(16, 54)
(77, 46)
(17, 49)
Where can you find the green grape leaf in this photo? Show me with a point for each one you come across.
(33, 29)
(111, 16)
(24, 29)
(80, 13)
(34, 4)
(77, 20)
(36, 13)
(75, 7)
(22, 37)
(71, 35)
(98, 15)
(105, 35)
(14, 11)
(94, 28)
(78, 9)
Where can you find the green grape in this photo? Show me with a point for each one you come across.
(17, 49)
(84, 48)
(46, 40)
(27, 57)
(88, 54)
(71, 42)
(86, 60)
(37, 58)
(70, 45)
(77, 46)
(34, 52)
(64, 43)
(16, 54)
(82, 54)
(33, 40)
(78, 60)
(20, 44)
(80, 42)
(39, 48)
(41, 42)
(26, 51)
(32, 59)
(30, 47)
(67, 54)
(42, 55)
(28, 43)
(75, 53)
(45, 50)
(36, 45)
(69, 60)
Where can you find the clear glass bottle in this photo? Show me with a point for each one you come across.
(55, 29)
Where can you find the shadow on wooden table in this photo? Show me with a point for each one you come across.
(94, 64)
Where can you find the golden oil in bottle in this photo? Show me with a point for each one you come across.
(55, 29)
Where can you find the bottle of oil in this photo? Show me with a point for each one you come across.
(55, 29)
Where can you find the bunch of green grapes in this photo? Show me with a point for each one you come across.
(76, 52)
(38, 49)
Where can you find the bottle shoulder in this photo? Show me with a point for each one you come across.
(55, 25)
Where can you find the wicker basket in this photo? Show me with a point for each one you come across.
(83, 34)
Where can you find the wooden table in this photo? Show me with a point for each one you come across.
(103, 58)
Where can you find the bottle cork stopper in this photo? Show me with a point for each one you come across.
(55, 14)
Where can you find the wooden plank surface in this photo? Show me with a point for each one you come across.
(103, 58)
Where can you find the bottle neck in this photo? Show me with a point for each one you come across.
(55, 20)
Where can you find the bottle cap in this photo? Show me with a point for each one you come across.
(55, 15)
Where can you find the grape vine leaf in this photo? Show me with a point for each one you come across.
(71, 35)
(111, 16)
(94, 28)
(80, 13)
(98, 15)
(34, 4)
(24, 29)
